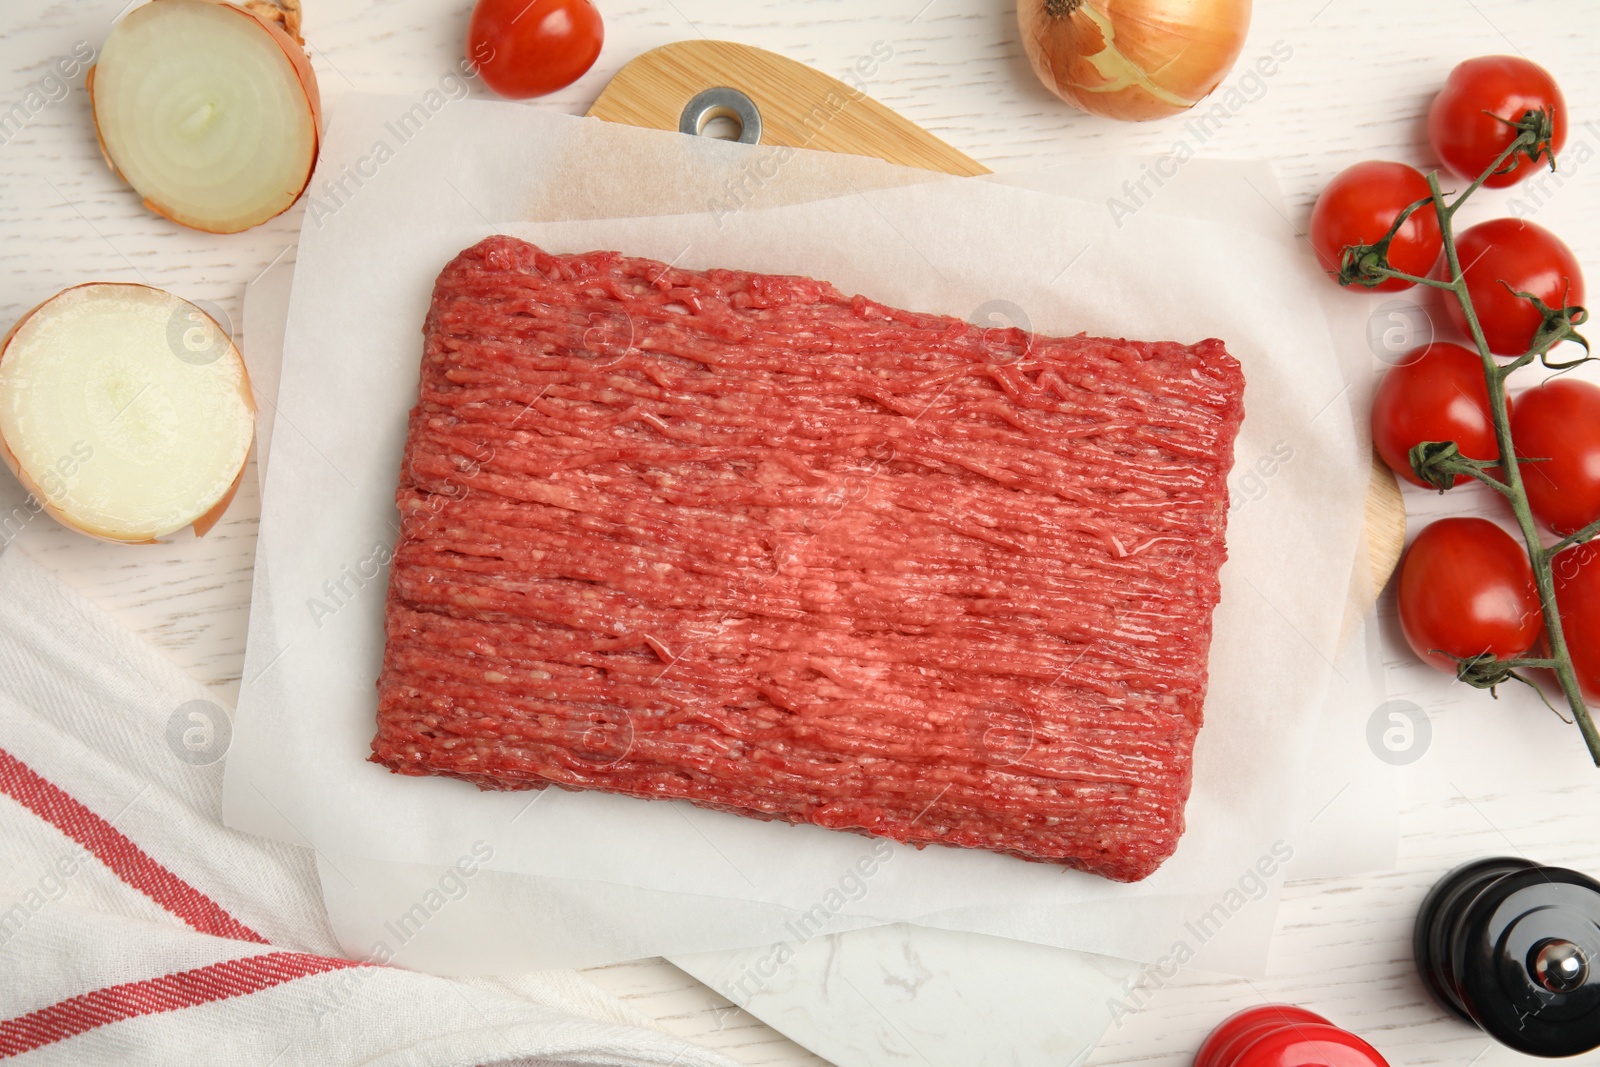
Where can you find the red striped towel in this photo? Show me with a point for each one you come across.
(136, 928)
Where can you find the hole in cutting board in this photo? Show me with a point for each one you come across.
(722, 124)
(724, 113)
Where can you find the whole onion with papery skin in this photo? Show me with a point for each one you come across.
(1133, 59)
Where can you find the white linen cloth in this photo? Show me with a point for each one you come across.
(136, 929)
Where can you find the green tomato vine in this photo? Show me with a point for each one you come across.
(1439, 462)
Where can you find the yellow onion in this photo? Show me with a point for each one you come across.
(1133, 59)
(125, 411)
(209, 109)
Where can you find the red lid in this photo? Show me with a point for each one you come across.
(1309, 1045)
(1244, 1027)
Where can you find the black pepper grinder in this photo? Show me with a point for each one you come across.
(1514, 948)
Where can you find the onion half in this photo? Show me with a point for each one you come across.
(209, 110)
(1133, 59)
(125, 411)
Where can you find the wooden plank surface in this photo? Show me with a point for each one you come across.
(1499, 777)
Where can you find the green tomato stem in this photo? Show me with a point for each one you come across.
(1516, 492)
(1579, 537)
(1413, 279)
(1492, 482)
(1505, 370)
(1447, 213)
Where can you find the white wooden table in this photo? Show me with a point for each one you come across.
(1499, 778)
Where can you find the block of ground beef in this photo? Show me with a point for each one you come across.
(741, 540)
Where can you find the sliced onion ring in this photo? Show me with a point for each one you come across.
(125, 411)
(209, 110)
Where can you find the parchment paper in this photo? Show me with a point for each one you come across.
(383, 224)
(1347, 820)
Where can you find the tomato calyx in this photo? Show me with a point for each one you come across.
(1556, 325)
(1368, 265)
(1365, 265)
(1438, 463)
(1536, 134)
(1488, 672)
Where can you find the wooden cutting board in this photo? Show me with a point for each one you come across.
(804, 108)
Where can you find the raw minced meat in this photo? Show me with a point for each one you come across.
(740, 540)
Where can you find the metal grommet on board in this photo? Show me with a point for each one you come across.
(722, 102)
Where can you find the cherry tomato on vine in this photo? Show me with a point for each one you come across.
(1466, 588)
(528, 48)
(1577, 573)
(1359, 206)
(1437, 394)
(1528, 258)
(1468, 141)
(1560, 422)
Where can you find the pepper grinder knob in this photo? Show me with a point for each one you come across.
(1509, 946)
(1560, 966)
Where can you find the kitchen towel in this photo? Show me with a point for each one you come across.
(136, 929)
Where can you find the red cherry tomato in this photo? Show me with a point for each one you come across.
(1467, 140)
(528, 48)
(1359, 206)
(1560, 422)
(1438, 394)
(1528, 258)
(1466, 588)
(1577, 572)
